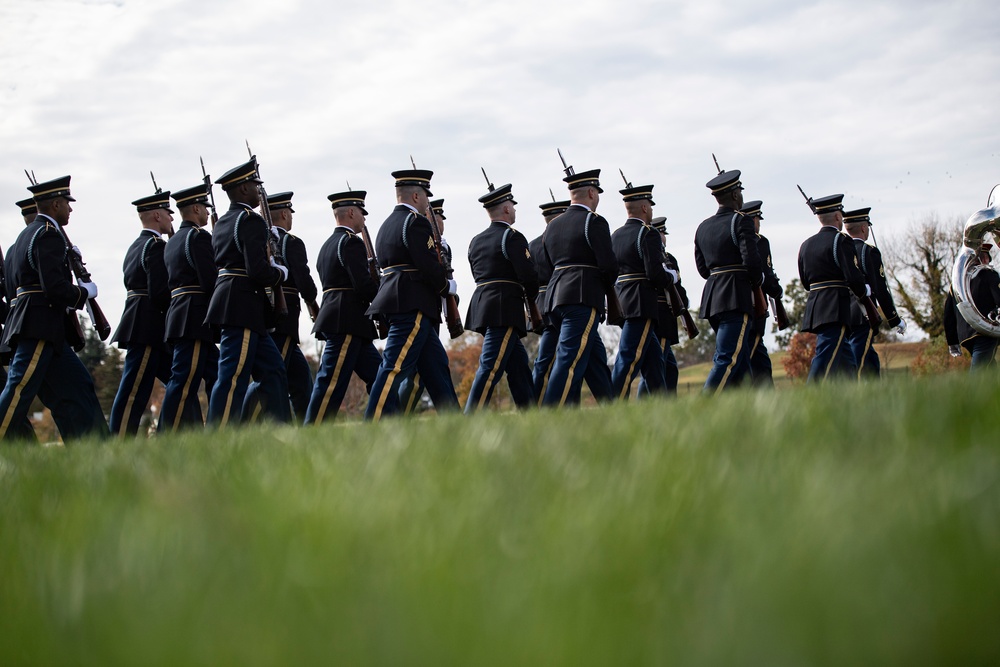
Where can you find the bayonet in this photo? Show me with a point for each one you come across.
(488, 183)
(807, 198)
(412, 162)
(158, 189)
(553, 195)
(31, 177)
(568, 169)
(627, 184)
(716, 163)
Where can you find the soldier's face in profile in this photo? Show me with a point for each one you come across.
(756, 224)
(421, 201)
(61, 210)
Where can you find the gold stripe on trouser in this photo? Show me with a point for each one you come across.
(397, 367)
(25, 379)
(131, 394)
(833, 357)
(239, 369)
(493, 371)
(736, 355)
(415, 391)
(627, 385)
(579, 354)
(333, 381)
(864, 354)
(195, 356)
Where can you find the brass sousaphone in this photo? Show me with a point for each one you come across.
(986, 221)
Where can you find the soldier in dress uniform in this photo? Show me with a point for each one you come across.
(666, 323)
(505, 276)
(191, 276)
(409, 297)
(39, 333)
(239, 308)
(140, 331)
(829, 271)
(348, 290)
(725, 252)
(760, 361)
(598, 376)
(984, 290)
(641, 276)
(412, 389)
(291, 255)
(29, 210)
(577, 247)
(860, 335)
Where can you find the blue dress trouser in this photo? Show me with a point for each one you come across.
(833, 356)
(343, 356)
(639, 351)
(502, 353)
(143, 365)
(243, 354)
(193, 361)
(860, 339)
(733, 340)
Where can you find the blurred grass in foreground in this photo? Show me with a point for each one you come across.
(829, 526)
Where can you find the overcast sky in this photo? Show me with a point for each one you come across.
(893, 103)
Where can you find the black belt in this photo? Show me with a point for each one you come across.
(575, 266)
(136, 292)
(338, 289)
(184, 290)
(29, 289)
(827, 284)
(399, 268)
(498, 282)
(732, 268)
(630, 278)
(233, 273)
(290, 290)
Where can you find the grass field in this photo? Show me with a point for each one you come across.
(823, 526)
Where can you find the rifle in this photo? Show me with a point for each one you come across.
(756, 291)
(537, 325)
(451, 315)
(211, 196)
(158, 191)
(871, 312)
(614, 306)
(79, 269)
(780, 315)
(375, 271)
(277, 293)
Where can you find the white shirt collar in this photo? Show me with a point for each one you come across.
(403, 203)
(583, 206)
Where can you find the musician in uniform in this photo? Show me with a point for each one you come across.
(348, 289)
(860, 335)
(641, 276)
(597, 376)
(505, 276)
(40, 332)
(191, 276)
(577, 247)
(140, 331)
(760, 361)
(984, 290)
(291, 255)
(829, 271)
(725, 252)
(413, 282)
(239, 308)
(412, 389)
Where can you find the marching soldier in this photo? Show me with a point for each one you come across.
(598, 376)
(857, 224)
(29, 210)
(505, 276)
(291, 255)
(829, 271)
(140, 331)
(191, 276)
(760, 361)
(577, 247)
(348, 289)
(725, 252)
(411, 389)
(984, 290)
(40, 332)
(641, 277)
(239, 307)
(409, 296)
(666, 323)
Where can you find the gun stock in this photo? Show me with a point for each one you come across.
(534, 316)
(375, 271)
(759, 303)
(690, 327)
(451, 315)
(780, 315)
(871, 312)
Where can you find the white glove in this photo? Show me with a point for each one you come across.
(284, 271)
(901, 327)
(955, 350)
(90, 287)
(79, 254)
(673, 274)
(868, 290)
(452, 288)
(274, 232)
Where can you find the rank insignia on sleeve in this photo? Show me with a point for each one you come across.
(856, 263)
(881, 271)
(430, 243)
(527, 253)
